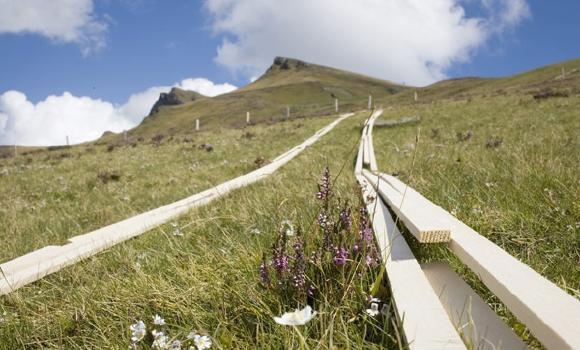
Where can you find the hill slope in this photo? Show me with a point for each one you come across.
(547, 78)
(307, 89)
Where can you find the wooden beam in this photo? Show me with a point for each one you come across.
(420, 218)
(478, 324)
(366, 150)
(425, 321)
(549, 312)
(359, 159)
(35, 265)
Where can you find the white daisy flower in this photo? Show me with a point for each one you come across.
(288, 227)
(160, 342)
(138, 331)
(158, 320)
(202, 342)
(374, 310)
(385, 309)
(296, 318)
(176, 229)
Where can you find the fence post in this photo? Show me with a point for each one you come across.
(287, 111)
(125, 136)
(197, 125)
(336, 105)
(247, 117)
(15, 150)
(416, 97)
(67, 140)
(563, 73)
(370, 101)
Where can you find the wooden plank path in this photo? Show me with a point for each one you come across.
(35, 265)
(425, 322)
(419, 217)
(550, 313)
(478, 325)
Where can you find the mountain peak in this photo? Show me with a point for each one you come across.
(285, 63)
(175, 97)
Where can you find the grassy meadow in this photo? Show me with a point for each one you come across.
(50, 196)
(207, 279)
(508, 167)
(501, 161)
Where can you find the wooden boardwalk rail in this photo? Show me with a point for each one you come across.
(37, 264)
(550, 313)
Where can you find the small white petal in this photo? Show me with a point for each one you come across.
(296, 318)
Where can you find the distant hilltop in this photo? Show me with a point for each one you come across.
(175, 97)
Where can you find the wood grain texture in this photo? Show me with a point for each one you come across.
(479, 325)
(420, 218)
(425, 322)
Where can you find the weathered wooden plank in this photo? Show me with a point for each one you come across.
(397, 122)
(425, 321)
(366, 150)
(372, 163)
(359, 159)
(478, 325)
(420, 218)
(21, 271)
(549, 312)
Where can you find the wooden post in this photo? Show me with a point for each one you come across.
(563, 73)
(15, 151)
(287, 111)
(67, 140)
(336, 105)
(370, 101)
(125, 135)
(416, 97)
(247, 117)
(197, 125)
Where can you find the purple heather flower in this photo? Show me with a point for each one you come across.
(322, 220)
(367, 234)
(299, 279)
(355, 248)
(281, 263)
(264, 274)
(311, 291)
(324, 186)
(340, 256)
(345, 218)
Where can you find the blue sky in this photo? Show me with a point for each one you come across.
(110, 51)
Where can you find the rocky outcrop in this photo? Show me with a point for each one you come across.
(284, 63)
(175, 97)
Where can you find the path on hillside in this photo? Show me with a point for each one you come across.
(436, 307)
(37, 264)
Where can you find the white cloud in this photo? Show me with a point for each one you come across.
(48, 122)
(504, 14)
(68, 21)
(413, 41)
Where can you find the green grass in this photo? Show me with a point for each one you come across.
(308, 91)
(523, 195)
(206, 280)
(50, 196)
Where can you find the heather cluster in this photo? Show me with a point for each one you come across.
(325, 259)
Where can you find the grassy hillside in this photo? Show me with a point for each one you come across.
(524, 84)
(307, 89)
(501, 161)
(51, 195)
